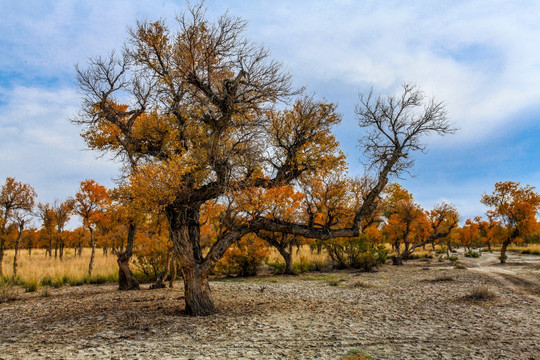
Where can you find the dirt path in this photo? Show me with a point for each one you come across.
(418, 311)
(521, 272)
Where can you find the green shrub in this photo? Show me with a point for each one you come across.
(302, 266)
(278, 267)
(355, 354)
(333, 282)
(453, 258)
(31, 285)
(441, 250)
(473, 254)
(357, 253)
(420, 256)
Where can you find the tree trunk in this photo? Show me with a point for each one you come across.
(162, 275)
(449, 246)
(2, 244)
(173, 271)
(197, 293)
(503, 251)
(287, 256)
(92, 255)
(61, 250)
(184, 229)
(126, 280)
(397, 260)
(15, 256)
(49, 249)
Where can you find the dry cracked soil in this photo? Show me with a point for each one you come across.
(422, 310)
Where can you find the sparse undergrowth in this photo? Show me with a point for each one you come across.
(7, 292)
(441, 278)
(480, 293)
(355, 354)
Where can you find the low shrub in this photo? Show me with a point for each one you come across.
(443, 278)
(481, 293)
(7, 292)
(441, 250)
(358, 283)
(333, 282)
(244, 258)
(356, 253)
(473, 254)
(452, 258)
(31, 285)
(355, 354)
(425, 255)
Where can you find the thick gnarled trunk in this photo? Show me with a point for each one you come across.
(503, 251)
(287, 256)
(2, 244)
(197, 292)
(185, 235)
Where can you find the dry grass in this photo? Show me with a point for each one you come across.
(40, 269)
(533, 249)
(521, 248)
(303, 252)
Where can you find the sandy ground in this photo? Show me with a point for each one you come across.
(417, 311)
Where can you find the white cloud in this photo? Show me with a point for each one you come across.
(39, 146)
(480, 58)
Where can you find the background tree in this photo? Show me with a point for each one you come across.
(89, 204)
(46, 213)
(14, 196)
(126, 212)
(282, 203)
(491, 231)
(31, 239)
(21, 218)
(406, 228)
(470, 234)
(202, 120)
(516, 206)
(62, 212)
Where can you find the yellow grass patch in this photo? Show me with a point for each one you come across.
(301, 253)
(42, 269)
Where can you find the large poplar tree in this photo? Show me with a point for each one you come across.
(201, 114)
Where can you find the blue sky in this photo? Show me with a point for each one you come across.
(481, 57)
